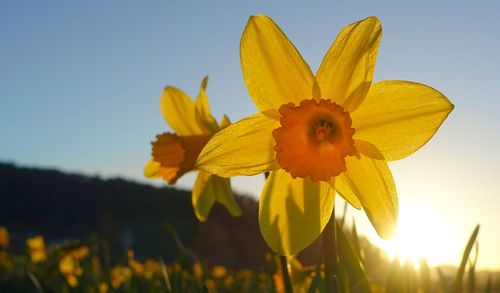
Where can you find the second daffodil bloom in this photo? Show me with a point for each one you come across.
(174, 154)
(317, 134)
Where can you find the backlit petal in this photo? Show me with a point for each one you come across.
(293, 212)
(203, 116)
(347, 69)
(399, 117)
(224, 195)
(273, 69)
(207, 190)
(224, 122)
(203, 196)
(371, 182)
(179, 111)
(243, 148)
(368, 149)
(152, 170)
(349, 197)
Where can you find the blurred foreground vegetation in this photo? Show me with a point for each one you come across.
(77, 266)
(73, 233)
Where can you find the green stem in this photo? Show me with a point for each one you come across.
(330, 253)
(284, 272)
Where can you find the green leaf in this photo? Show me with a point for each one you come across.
(355, 240)
(457, 284)
(351, 263)
(164, 275)
(394, 282)
(342, 221)
(471, 281)
(204, 289)
(425, 276)
(488, 285)
(317, 284)
(342, 280)
(442, 280)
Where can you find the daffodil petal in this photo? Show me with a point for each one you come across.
(224, 195)
(349, 197)
(273, 69)
(202, 109)
(243, 148)
(152, 170)
(293, 212)
(368, 149)
(347, 69)
(179, 111)
(203, 196)
(224, 122)
(371, 182)
(207, 190)
(399, 117)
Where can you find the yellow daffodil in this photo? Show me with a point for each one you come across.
(151, 268)
(36, 249)
(219, 272)
(120, 275)
(80, 252)
(317, 134)
(70, 269)
(174, 154)
(103, 287)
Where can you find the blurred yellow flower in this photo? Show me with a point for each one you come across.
(103, 287)
(317, 134)
(80, 252)
(174, 154)
(211, 285)
(198, 270)
(219, 271)
(4, 238)
(228, 281)
(136, 266)
(36, 249)
(70, 269)
(120, 275)
(279, 284)
(151, 268)
(5, 261)
(95, 264)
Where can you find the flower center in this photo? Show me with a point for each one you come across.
(314, 139)
(177, 154)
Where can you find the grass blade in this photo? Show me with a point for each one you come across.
(457, 284)
(488, 285)
(352, 264)
(164, 274)
(36, 283)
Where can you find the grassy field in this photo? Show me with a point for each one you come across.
(84, 266)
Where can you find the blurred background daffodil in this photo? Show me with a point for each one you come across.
(174, 154)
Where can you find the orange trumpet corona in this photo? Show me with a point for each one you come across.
(314, 139)
(177, 154)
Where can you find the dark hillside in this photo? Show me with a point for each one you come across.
(123, 214)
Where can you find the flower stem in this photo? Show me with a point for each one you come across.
(284, 272)
(330, 254)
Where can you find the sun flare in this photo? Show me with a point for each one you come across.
(421, 233)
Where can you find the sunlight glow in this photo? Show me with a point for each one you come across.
(421, 234)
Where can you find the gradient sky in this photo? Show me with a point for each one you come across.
(80, 84)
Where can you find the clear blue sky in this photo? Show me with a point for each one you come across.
(80, 84)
